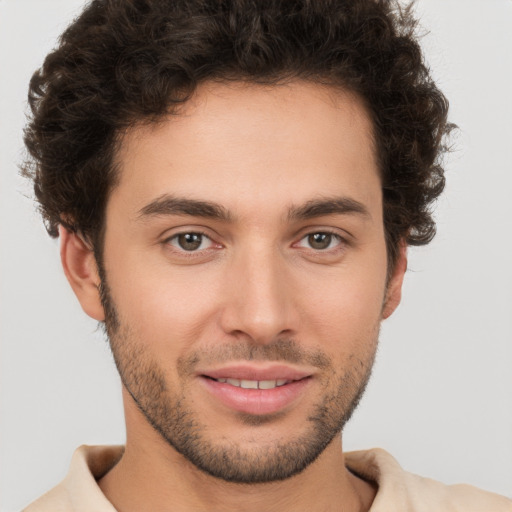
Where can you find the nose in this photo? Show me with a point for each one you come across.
(258, 303)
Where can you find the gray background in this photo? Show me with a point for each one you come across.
(440, 399)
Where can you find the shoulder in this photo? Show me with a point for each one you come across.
(407, 492)
(79, 491)
(56, 500)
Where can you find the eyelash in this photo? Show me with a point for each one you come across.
(341, 242)
(336, 236)
(184, 252)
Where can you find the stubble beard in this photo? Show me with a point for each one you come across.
(168, 412)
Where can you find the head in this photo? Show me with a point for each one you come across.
(236, 184)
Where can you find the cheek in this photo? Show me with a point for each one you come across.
(163, 306)
(344, 317)
(346, 308)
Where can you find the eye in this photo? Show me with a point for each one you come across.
(190, 242)
(320, 241)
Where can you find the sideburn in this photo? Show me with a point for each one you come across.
(111, 324)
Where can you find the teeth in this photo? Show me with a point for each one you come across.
(249, 384)
(267, 384)
(254, 384)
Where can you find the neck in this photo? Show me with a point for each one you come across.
(151, 475)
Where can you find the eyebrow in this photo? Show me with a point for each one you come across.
(327, 206)
(171, 205)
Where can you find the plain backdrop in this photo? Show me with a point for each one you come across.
(440, 399)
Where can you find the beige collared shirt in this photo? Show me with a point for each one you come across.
(398, 491)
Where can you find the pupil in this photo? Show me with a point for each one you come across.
(320, 240)
(190, 241)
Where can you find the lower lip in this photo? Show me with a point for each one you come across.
(257, 401)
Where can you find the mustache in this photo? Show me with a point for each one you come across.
(280, 350)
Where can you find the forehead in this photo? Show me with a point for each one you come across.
(245, 144)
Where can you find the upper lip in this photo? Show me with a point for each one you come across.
(253, 372)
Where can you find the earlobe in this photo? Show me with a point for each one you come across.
(394, 289)
(80, 267)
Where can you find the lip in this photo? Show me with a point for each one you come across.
(256, 401)
(254, 372)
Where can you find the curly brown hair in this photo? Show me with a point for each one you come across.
(123, 62)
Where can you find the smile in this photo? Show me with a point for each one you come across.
(254, 389)
(254, 384)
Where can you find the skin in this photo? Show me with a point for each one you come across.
(257, 152)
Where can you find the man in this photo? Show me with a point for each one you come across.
(235, 185)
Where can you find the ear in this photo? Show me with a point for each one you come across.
(82, 272)
(394, 289)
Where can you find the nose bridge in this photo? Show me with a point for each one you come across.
(258, 302)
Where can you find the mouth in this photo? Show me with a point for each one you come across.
(253, 384)
(254, 390)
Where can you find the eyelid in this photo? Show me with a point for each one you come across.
(336, 236)
(341, 242)
(343, 234)
(176, 236)
(183, 254)
(343, 237)
(184, 229)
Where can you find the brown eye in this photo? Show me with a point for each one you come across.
(320, 241)
(189, 241)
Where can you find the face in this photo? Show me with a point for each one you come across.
(245, 274)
